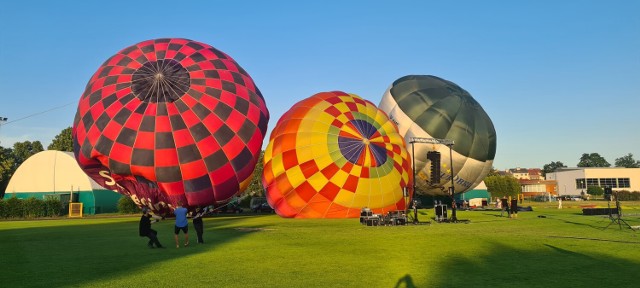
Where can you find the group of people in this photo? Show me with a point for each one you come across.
(508, 205)
(181, 224)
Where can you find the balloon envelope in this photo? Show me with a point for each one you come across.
(170, 120)
(333, 154)
(430, 107)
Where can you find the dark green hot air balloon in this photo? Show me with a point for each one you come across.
(430, 107)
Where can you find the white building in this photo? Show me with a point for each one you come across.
(525, 173)
(574, 181)
(519, 173)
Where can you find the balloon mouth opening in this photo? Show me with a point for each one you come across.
(160, 81)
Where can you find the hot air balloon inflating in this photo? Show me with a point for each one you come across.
(430, 107)
(170, 120)
(333, 154)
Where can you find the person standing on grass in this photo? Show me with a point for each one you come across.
(145, 228)
(198, 224)
(181, 224)
(504, 203)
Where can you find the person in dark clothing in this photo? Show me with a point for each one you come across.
(198, 224)
(145, 228)
(504, 204)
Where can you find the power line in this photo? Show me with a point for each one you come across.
(39, 113)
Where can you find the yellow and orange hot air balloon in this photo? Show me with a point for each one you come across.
(333, 154)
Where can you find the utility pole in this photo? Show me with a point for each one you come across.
(2, 121)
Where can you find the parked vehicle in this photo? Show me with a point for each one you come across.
(571, 198)
(230, 208)
(260, 204)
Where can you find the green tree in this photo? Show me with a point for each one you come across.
(256, 182)
(492, 185)
(7, 167)
(593, 160)
(627, 161)
(493, 172)
(595, 191)
(503, 186)
(62, 141)
(551, 167)
(24, 150)
(127, 206)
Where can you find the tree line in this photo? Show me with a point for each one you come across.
(497, 185)
(503, 186)
(594, 160)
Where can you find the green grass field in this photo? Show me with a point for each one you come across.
(565, 249)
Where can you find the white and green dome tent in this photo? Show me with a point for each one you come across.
(54, 173)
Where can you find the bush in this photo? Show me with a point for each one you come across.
(625, 195)
(53, 207)
(3, 208)
(14, 208)
(127, 206)
(33, 207)
(30, 208)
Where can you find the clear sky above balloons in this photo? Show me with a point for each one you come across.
(558, 78)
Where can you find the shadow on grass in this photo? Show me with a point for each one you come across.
(603, 224)
(75, 253)
(548, 265)
(497, 215)
(405, 282)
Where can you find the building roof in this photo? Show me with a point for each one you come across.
(564, 169)
(51, 171)
(518, 170)
(535, 171)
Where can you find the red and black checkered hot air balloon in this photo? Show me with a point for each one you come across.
(171, 120)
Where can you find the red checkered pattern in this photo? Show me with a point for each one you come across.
(178, 113)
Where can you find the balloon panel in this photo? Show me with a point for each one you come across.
(332, 154)
(170, 120)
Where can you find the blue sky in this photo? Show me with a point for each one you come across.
(557, 78)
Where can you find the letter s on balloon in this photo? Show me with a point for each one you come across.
(106, 175)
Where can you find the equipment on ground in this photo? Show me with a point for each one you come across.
(391, 218)
(617, 217)
(441, 212)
